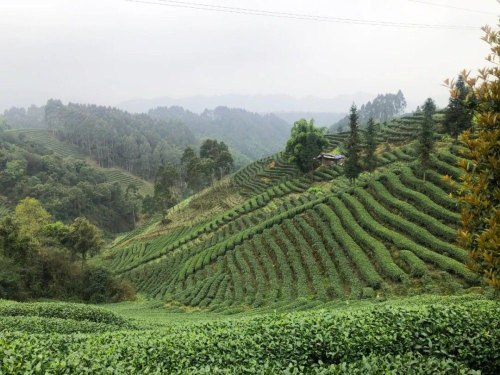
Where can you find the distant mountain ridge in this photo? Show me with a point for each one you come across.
(252, 103)
(251, 134)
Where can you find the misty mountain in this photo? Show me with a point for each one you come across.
(251, 134)
(253, 103)
(325, 119)
(382, 108)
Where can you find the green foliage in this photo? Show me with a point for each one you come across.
(426, 137)
(84, 238)
(136, 143)
(479, 192)
(66, 187)
(305, 144)
(458, 338)
(30, 218)
(371, 146)
(458, 115)
(37, 259)
(352, 167)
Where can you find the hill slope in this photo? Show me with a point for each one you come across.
(251, 135)
(46, 139)
(268, 239)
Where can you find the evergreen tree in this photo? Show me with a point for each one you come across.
(371, 146)
(426, 137)
(458, 114)
(305, 144)
(352, 167)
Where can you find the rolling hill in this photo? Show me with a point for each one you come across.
(270, 237)
(46, 139)
(250, 136)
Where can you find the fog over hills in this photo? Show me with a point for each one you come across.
(254, 103)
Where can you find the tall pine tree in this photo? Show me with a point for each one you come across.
(426, 137)
(371, 146)
(352, 167)
(459, 114)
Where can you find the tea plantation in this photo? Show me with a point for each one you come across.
(277, 238)
(453, 335)
(271, 271)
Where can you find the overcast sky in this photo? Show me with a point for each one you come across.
(109, 51)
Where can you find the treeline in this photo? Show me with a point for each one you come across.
(67, 188)
(32, 117)
(194, 173)
(250, 136)
(383, 108)
(111, 137)
(40, 258)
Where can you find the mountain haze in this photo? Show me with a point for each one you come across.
(254, 103)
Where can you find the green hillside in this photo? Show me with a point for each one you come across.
(272, 237)
(45, 138)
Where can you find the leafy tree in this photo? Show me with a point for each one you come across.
(371, 146)
(352, 167)
(426, 136)
(305, 144)
(458, 113)
(219, 154)
(166, 180)
(479, 193)
(84, 238)
(30, 217)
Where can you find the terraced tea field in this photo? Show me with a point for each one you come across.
(285, 246)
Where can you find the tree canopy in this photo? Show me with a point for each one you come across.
(305, 144)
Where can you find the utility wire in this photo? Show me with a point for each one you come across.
(451, 7)
(298, 16)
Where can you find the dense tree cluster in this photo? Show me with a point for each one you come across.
(136, 143)
(25, 118)
(66, 187)
(39, 258)
(383, 108)
(250, 136)
(195, 172)
(306, 142)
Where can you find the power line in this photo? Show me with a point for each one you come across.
(451, 7)
(297, 16)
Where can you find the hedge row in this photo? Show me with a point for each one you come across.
(457, 337)
(378, 249)
(418, 233)
(402, 242)
(355, 253)
(409, 211)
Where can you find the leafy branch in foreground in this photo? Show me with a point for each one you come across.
(479, 192)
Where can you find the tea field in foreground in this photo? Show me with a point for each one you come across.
(419, 335)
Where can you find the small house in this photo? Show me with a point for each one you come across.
(329, 159)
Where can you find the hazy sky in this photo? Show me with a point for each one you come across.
(108, 51)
